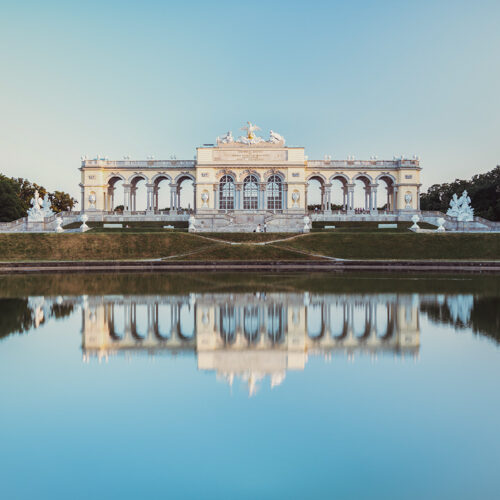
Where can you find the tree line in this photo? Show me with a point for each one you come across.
(483, 189)
(16, 195)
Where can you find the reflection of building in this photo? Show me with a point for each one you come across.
(251, 335)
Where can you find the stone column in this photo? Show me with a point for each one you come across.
(216, 197)
(418, 198)
(150, 198)
(237, 196)
(350, 199)
(395, 199)
(173, 197)
(126, 198)
(328, 197)
(285, 196)
(373, 192)
(83, 199)
(262, 194)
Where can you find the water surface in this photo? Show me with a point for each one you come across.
(249, 386)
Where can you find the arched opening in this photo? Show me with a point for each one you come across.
(226, 193)
(162, 198)
(315, 194)
(114, 195)
(362, 194)
(139, 321)
(163, 321)
(315, 321)
(275, 323)
(251, 193)
(185, 193)
(186, 322)
(338, 193)
(387, 202)
(227, 323)
(251, 323)
(274, 193)
(138, 194)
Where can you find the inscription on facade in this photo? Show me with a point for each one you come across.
(249, 155)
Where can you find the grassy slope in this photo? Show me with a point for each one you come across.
(355, 245)
(95, 246)
(401, 245)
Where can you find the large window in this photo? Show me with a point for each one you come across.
(226, 193)
(274, 193)
(250, 193)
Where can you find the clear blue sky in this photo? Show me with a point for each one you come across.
(340, 78)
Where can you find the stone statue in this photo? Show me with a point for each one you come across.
(47, 206)
(408, 198)
(295, 199)
(307, 223)
(250, 128)
(192, 227)
(83, 219)
(415, 219)
(36, 213)
(276, 138)
(440, 222)
(59, 228)
(460, 208)
(225, 139)
(204, 199)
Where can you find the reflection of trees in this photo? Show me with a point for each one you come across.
(482, 314)
(19, 316)
(15, 316)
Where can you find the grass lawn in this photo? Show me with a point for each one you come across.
(400, 246)
(181, 245)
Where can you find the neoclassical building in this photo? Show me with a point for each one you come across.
(251, 180)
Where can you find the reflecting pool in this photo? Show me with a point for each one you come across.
(249, 386)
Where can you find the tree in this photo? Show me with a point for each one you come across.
(483, 189)
(61, 201)
(11, 207)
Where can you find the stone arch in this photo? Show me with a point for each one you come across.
(391, 190)
(227, 192)
(188, 200)
(111, 200)
(275, 189)
(250, 192)
(161, 194)
(316, 191)
(362, 195)
(133, 182)
(338, 194)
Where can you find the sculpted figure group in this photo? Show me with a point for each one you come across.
(460, 208)
(251, 138)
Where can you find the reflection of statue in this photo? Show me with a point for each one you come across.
(276, 138)
(226, 139)
(460, 208)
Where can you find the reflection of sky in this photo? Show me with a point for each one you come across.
(158, 427)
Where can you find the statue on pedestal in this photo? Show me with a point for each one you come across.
(307, 223)
(192, 227)
(35, 213)
(460, 208)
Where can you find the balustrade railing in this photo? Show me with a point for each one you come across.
(139, 163)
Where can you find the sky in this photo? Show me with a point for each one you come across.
(158, 78)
